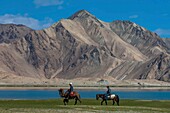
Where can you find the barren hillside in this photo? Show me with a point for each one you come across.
(83, 46)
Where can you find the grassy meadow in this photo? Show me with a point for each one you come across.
(87, 106)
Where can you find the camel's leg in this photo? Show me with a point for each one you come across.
(79, 100)
(75, 101)
(64, 101)
(105, 101)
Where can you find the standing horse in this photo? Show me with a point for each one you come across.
(66, 96)
(113, 97)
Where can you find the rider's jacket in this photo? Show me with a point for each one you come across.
(108, 91)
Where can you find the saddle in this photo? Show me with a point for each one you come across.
(72, 94)
(111, 96)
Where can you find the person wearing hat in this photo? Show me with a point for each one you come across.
(71, 89)
(108, 92)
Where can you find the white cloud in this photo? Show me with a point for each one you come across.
(39, 3)
(162, 31)
(26, 20)
(133, 16)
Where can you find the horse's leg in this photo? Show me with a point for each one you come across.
(117, 100)
(113, 101)
(118, 103)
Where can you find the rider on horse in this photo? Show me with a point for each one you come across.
(70, 91)
(108, 92)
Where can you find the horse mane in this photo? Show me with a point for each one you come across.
(99, 96)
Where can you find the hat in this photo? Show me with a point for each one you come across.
(70, 83)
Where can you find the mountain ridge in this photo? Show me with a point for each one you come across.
(83, 46)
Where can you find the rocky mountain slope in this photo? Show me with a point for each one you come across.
(167, 41)
(10, 32)
(83, 46)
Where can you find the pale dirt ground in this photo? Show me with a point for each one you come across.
(85, 83)
(85, 109)
(80, 83)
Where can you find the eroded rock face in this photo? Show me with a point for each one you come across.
(167, 42)
(84, 46)
(11, 32)
(147, 42)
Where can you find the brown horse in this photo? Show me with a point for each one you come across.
(113, 97)
(66, 96)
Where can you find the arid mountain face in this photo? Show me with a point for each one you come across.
(147, 42)
(84, 46)
(167, 41)
(10, 32)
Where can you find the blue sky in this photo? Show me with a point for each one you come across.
(153, 15)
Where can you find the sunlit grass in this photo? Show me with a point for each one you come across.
(89, 105)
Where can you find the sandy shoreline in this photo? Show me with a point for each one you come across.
(86, 88)
(83, 83)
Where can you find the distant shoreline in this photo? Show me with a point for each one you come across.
(50, 87)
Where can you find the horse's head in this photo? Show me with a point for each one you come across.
(97, 96)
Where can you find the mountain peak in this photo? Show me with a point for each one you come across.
(81, 14)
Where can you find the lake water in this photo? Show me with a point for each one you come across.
(53, 94)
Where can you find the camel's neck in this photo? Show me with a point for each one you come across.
(62, 94)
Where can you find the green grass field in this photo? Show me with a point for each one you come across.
(87, 106)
